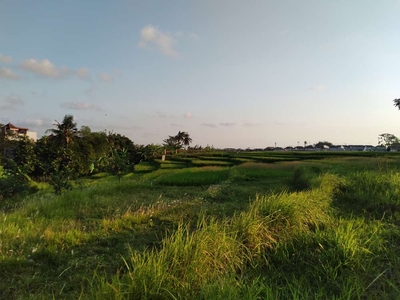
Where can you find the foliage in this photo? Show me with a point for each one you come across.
(60, 182)
(64, 132)
(13, 180)
(2, 143)
(397, 103)
(182, 139)
(46, 153)
(322, 144)
(251, 239)
(387, 139)
(152, 151)
(117, 162)
(120, 142)
(24, 154)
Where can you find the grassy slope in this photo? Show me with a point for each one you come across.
(313, 227)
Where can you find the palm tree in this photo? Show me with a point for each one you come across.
(172, 143)
(186, 140)
(183, 138)
(397, 103)
(178, 141)
(66, 131)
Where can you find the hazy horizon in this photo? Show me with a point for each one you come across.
(231, 73)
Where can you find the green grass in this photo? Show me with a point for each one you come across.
(308, 226)
(194, 176)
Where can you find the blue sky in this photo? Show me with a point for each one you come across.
(231, 73)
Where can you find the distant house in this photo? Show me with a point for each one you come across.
(357, 147)
(336, 148)
(10, 128)
(380, 148)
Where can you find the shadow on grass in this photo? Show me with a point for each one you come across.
(63, 270)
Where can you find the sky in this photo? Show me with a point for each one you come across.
(230, 73)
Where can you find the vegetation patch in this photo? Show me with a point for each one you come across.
(194, 176)
(307, 229)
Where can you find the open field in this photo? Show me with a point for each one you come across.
(251, 225)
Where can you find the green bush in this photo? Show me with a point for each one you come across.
(12, 181)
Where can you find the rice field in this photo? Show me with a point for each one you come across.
(223, 226)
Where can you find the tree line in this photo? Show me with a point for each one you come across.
(66, 153)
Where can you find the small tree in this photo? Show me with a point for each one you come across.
(24, 154)
(397, 103)
(387, 139)
(182, 139)
(117, 162)
(13, 180)
(322, 144)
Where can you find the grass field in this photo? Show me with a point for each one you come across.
(223, 226)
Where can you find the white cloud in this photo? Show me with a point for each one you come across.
(176, 125)
(187, 115)
(227, 124)
(8, 74)
(211, 125)
(249, 124)
(317, 88)
(5, 59)
(12, 102)
(44, 67)
(83, 73)
(47, 69)
(33, 122)
(164, 42)
(80, 106)
(159, 114)
(106, 77)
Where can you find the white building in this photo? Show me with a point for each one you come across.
(18, 131)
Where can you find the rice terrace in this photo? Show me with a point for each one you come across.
(211, 225)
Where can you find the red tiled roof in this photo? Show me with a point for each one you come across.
(9, 126)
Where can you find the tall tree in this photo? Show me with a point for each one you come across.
(186, 140)
(66, 131)
(387, 139)
(172, 143)
(397, 103)
(182, 139)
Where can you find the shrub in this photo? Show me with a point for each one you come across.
(13, 181)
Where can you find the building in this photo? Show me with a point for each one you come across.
(12, 129)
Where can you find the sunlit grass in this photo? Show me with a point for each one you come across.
(321, 230)
(194, 176)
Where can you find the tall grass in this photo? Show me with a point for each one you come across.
(153, 236)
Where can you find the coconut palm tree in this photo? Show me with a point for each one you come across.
(397, 103)
(182, 139)
(186, 140)
(65, 132)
